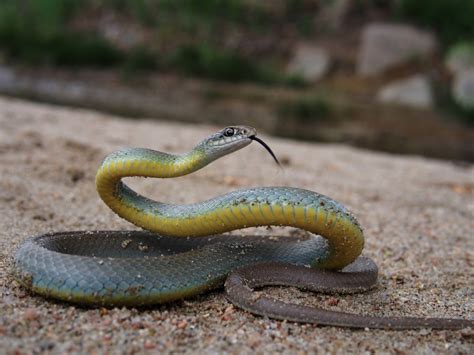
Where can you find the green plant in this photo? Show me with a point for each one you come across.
(139, 59)
(446, 103)
(452, 19)
(301, 14)
(462, 53)
(307, 108)
(189, 14)
(295, 81)
(63, 49)
(40, 33)
(46, 16)
(450, 106)
(34, 32)
(206, 61)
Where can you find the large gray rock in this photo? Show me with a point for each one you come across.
(414, 91)
(310, 62)
(385, 45)
(463, 89)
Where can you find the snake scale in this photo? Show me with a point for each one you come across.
(182, 252)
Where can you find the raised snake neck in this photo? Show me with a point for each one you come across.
(130, 268)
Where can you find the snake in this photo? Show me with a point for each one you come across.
(184, 250)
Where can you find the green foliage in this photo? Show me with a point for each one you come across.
(44, 17)
(452, 19)
(450, 106)
(62, 49)
(37, 33)
(208, 62)
(308, 108)
(466, 115)
(206, 9)
(301, 13)
(33, 32)
(191, 13)
(139, 59)
(295, 81)
(462, 52)
(445, 102)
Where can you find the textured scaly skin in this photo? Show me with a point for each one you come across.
(112, 268)
(280, 206)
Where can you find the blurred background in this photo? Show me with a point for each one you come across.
(390, 75)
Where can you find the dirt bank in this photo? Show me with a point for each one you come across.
(417, 214)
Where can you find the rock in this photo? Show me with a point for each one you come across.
(6, 75)
(310, 62)
(414, 91)
(460, 57)
(385, 45)
(463, 89)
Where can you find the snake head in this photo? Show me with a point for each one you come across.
(227, 140)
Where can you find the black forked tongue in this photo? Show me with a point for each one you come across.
(254, 138)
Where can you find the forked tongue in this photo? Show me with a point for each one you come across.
(267, 148)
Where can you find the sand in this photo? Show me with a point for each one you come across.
(417, 214)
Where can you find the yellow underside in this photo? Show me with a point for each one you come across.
(345, 238)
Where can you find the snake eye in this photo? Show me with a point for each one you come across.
(229, 132)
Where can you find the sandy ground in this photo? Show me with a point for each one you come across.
(417, 215)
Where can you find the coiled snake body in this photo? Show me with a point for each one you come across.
(183, 255)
